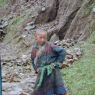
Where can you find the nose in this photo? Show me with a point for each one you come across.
(42, 39)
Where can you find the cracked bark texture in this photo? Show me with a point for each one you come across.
(72, 19)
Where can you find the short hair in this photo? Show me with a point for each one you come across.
(40, 30)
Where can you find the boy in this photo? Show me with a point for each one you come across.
(47, 60)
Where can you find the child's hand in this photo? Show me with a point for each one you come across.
(64, 66)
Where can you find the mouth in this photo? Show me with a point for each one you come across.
(42, 43)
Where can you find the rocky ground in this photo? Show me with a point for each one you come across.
(17, 74)
(67, 22)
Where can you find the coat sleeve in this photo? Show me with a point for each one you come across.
(33, 54)
(60, 53)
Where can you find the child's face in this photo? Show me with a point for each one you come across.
(41, 38)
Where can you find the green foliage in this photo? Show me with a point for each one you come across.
(13, 28)
(80, 77)
(2, 2)
(88, 8)
(93, 27)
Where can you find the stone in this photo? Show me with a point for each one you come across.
(1, 31)
(24, 57)
(10, 17)
(30, 27)
(68, 40)
(70, 56)
(70, 61)
(57, 43)
(78, 52)
(69, 52)
(30, 23)
(23, 36)
(75, 58)
(93, 10)
(43, 9)
(3, 24)
(67, 43)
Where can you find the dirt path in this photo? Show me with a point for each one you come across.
(17, 78)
